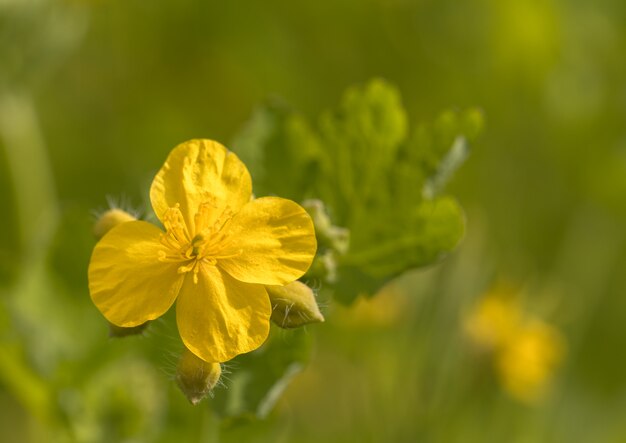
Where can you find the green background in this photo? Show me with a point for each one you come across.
(94, 94)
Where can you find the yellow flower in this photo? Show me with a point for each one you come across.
(218, 251)
(494, 320)
(527, 363)
(525, 351)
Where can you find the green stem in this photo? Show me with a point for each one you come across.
(210, 427)
(29, 169)
(37, 213)
(28, 387)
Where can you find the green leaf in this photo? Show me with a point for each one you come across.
(280, 150)
(437, 150)
(434, 229)
(259, 378)
(382, 184)
(362, 138)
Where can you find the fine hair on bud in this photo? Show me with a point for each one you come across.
(293, 305)
(110, 219)
(195, 377)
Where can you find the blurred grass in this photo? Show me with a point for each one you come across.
(115, 85)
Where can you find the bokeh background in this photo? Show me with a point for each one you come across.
(94, 94)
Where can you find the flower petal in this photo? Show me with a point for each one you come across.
(219, 317)
(271, 240)
(127, 282)
(197, 172)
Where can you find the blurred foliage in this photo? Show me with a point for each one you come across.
(379, 181)
(93, 94)
(258, 379)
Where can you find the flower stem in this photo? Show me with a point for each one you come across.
(37, 213)
(37, 209)
(210, 427)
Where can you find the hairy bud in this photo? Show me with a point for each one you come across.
(328, 235)
(196, 377)
(109, 220)
(293, 305)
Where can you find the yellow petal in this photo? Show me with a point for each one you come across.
(197, 172)
(219, 317)
(127, 281)
(271, 241)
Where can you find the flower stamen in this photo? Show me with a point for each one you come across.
(176, 231)
(209, 245)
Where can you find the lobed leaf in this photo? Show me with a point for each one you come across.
(377, 178)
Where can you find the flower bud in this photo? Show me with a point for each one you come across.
(118, 331)
(328, 235)
(196, 377)
(109, 220)
(324, 267)
(293, 305)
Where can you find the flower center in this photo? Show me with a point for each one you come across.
(195, 245)
(206, 247)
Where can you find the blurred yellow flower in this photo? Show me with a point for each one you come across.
(527, 362)
(494, 320)
(525, 350)
(218, 251)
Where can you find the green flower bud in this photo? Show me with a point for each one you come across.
(109, 220)
(293, 305)
(328, 235)
(339, 239)
(196, 377)
(324, 267)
